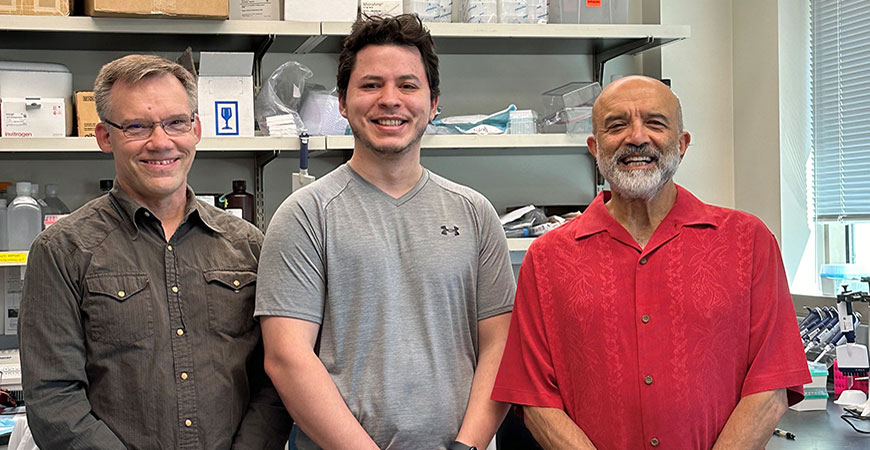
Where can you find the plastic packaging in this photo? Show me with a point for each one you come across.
(54, 208)
(522, 11)
(281, 95)
(430, 10)
(580, 11)
(24, 218)
(239, 202)
(320, 113)
(479, 11)
(4, 236)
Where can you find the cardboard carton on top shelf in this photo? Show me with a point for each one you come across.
(320, 11)
(203, 9)
(36, 7)
(255, 9)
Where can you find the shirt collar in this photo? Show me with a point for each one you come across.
(193, 209)
(688, 210)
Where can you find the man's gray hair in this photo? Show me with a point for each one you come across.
(134, 68)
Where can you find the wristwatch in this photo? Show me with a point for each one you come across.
(456, 445)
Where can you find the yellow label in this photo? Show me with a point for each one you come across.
(13, 257)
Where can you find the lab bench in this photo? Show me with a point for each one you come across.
(820, 430)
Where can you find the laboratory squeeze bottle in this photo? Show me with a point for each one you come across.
(24, 218)
(240, 202)
(54, 207)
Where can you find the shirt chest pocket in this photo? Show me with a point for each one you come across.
(118, 308)
(230, 296)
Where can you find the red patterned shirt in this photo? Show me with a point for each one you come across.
(655, 344)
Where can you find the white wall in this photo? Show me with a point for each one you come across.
(742, 78)
(701, 72)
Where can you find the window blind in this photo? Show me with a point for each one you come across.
(840, 74)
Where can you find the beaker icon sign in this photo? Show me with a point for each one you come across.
(226, 114)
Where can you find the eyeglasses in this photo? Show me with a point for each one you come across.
(173, 126)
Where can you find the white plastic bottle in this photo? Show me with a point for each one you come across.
(4, 236)
(24, 218)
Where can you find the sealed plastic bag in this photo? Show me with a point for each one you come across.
(320, 112)
(277, 105)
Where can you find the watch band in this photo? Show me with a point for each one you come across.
(456, 445)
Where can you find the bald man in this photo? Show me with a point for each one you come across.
(653, 319)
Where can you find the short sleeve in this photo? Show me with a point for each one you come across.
(526, 375)
(291, 279)
(495, 278)
(776, 356)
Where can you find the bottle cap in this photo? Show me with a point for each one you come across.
(239, 185)
(22, 188)
(51, 190)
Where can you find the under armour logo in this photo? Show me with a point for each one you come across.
(445, 230)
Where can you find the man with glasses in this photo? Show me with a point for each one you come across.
(137, 326)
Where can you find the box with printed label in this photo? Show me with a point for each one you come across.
(40, 81)
(255, 9)
(32, 117)
(380, 7)
(13, 282)
(208, 9)
(226, 94)
(320, 11)
(36, 7)
(86, 113)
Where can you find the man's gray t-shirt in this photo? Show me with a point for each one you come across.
(398, 286)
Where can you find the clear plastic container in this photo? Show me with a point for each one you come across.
(4, 236)
(578, 120)
(523, 121)
(586, 12)
(24, 218)
(833, 276)
(573, 94)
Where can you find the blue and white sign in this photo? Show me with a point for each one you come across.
(226, 115)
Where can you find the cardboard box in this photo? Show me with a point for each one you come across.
(320, 11)
(86, 113)
(226, 94)
(380, 7)
(36, 7)
(255, 9)
(209, 9)
(32, 117)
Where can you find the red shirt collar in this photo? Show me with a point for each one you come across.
(688, 210)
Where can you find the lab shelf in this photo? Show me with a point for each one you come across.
(88, 145)
(127, 34)
(479, 141)
(13, 259)
(528, 39)
(50, 32)
(519, 244)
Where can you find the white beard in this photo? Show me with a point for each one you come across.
(640, 184)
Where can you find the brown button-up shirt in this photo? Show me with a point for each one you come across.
(130, 341)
